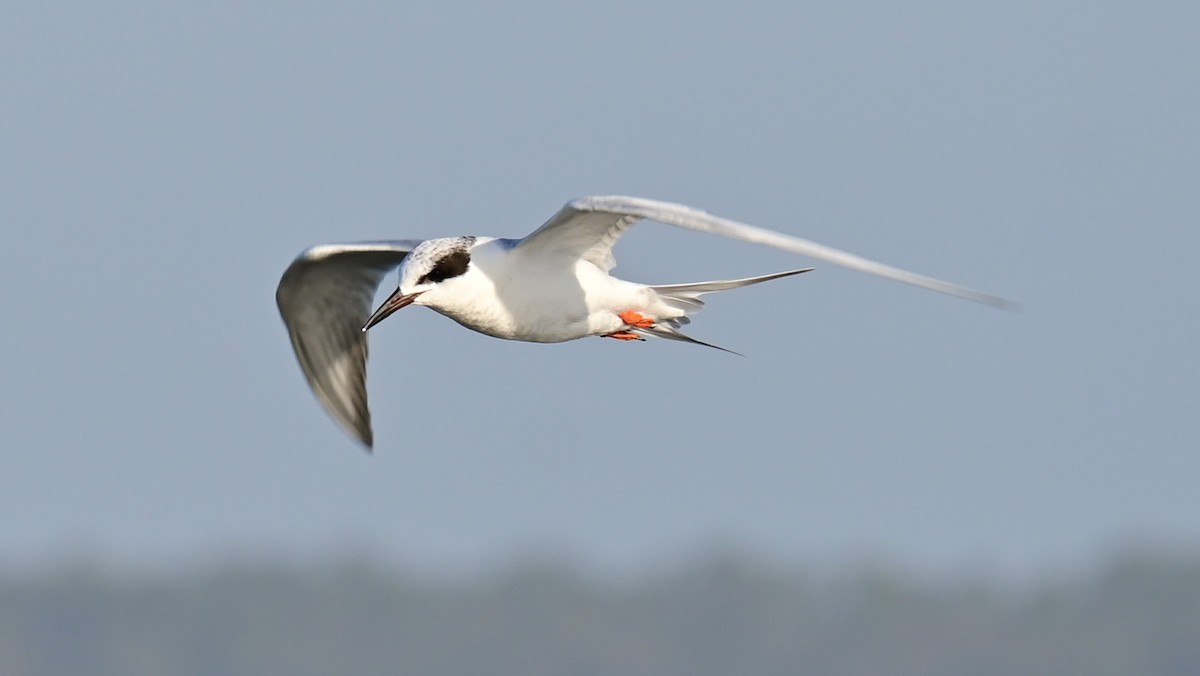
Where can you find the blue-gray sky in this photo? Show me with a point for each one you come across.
(161, 165)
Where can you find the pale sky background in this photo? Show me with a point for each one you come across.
(161, 165)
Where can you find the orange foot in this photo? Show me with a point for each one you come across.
(624, 335)
(636, 319)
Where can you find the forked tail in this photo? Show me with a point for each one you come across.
(686, 297)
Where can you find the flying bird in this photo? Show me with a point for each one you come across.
(551, 286)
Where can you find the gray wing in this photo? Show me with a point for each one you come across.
(588, 228)
(325, 297)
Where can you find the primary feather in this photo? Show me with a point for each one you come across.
(324, 297)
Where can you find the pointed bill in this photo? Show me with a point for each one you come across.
(394, 302)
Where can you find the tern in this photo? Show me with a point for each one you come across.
(551, 286)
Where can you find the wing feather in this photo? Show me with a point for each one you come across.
(588, 227)
(581, 233)
(325, 297)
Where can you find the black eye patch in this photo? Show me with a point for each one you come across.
(452, 265)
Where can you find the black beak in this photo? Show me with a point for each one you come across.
(394, 302)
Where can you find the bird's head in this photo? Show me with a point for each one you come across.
(429, 271)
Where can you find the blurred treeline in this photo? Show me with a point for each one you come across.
(722, 615)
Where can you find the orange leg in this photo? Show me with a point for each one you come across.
(632, 319)
(636, 319)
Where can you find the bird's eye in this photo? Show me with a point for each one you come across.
(452, 265)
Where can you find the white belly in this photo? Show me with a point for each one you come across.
(552, 305)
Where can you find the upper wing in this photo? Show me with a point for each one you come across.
(325, 298)
(589, 227)
(583, 231)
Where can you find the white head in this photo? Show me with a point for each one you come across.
(428, 272)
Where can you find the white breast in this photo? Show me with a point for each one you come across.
(537, 299)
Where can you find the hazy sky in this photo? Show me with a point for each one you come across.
(160, 166)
